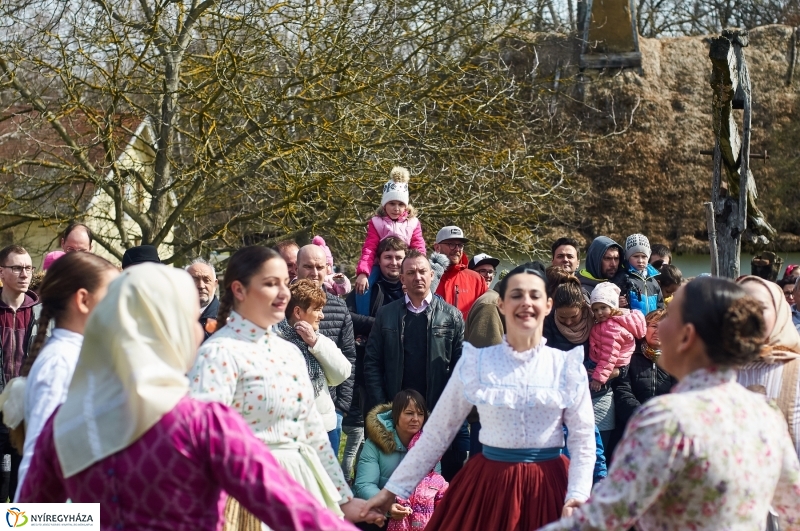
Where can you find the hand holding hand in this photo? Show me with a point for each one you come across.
(595, 386)
(362, 283)
(355, 511)
(306, 333)
(570, 506)
(380, 503)
(398, 512)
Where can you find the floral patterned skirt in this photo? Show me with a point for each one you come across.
(499, 496)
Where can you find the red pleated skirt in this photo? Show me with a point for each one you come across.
(491, 495)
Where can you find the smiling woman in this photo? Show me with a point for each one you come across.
(248, 367)
(521, 382)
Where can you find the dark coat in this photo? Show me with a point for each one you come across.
(383, 361)
(209, 313)
(338, 326)
(362, 326)
(643, 381)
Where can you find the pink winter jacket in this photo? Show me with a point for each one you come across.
(423, 500)
(612, 342)
(379, 228)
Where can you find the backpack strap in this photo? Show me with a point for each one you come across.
(787, 397)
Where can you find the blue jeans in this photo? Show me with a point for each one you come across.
(335, 435)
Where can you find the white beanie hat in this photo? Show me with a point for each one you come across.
(606, 293)
(397, 187)
(636, 243)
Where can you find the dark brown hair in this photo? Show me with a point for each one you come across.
(305, 294)
(405, 398)
(244, 263)
(410, 255)
(392, 243)
(531, 268)
(68, 274)
(730, 323)
(669, 275)
(11, 249)
(561, 242)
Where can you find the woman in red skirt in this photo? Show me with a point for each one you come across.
(525, 393)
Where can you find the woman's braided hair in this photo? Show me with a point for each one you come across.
(66, 276)
(244, 263)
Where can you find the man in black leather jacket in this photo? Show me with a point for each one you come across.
(415, 343)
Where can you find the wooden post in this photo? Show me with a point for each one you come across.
(732, 179)
(712, 238)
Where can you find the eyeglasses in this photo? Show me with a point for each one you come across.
(203, 279)
(454, 245)
(17, 270)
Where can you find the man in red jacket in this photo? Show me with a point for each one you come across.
(459, 286)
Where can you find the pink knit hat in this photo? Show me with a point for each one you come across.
(50, 258)
(317, 240)
(606, 293)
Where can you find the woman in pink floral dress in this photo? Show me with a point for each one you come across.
(711, 455)
(129, 437)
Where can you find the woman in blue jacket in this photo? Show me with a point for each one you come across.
(389, 429)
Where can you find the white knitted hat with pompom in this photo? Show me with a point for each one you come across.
(396, 189)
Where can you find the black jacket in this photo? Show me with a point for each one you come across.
(383, 361)
(209, 313)
(643, 381)
(338, 326)
(362, 324)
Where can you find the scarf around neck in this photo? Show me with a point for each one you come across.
(579, 333)
(315, 372)
(650, 353)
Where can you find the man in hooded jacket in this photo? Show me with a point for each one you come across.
(603, 264)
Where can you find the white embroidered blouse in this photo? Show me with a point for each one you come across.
(264, 377)
(523, 399)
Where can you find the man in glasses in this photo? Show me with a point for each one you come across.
(77, 237)
(19, 309)
(459, 286)
(205, 280)
(485, 266)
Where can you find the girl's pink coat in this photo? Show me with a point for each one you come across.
(611, 343)
(407, 229)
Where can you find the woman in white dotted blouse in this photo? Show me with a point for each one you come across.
(526, 393)
(246, 365)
